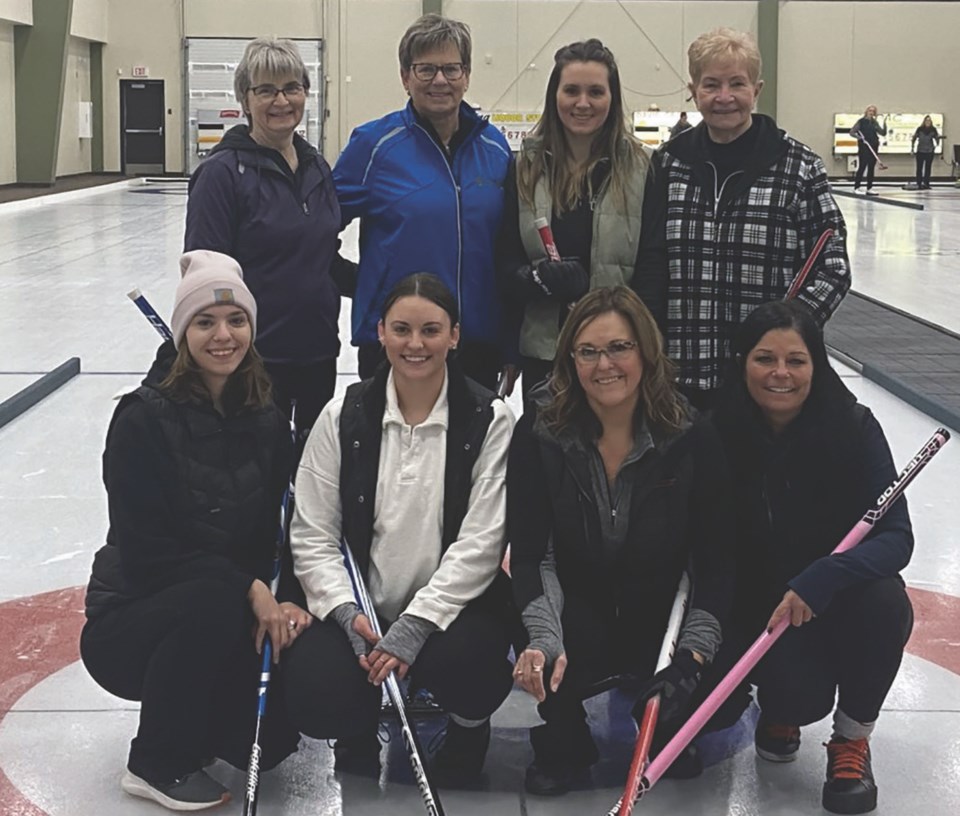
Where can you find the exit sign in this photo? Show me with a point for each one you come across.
(141, 71)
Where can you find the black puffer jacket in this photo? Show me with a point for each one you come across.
(679, 516)
(191, 493)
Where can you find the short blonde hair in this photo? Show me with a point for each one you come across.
(435, 31)
(268, 57)
(724, 44)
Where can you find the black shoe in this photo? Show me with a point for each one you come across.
(358, 755)
(776, 742)
(849, 787)
(195, 791)
(553, 780)
(458, 761)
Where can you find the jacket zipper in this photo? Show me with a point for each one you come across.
(718, 194)
(456, 188)
(272, 168)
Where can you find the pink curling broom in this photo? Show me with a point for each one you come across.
(763, 643)
(798, 281)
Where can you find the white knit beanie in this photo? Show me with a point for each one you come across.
(209, 279)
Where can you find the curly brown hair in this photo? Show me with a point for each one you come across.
(664, 409)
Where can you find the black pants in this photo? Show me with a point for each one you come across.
(866, 163)
(465, 667)
(481, 362)
(924, 166)
(311, 385)
(596, 649)
(534, 372)
(186, 653)
(854, 648)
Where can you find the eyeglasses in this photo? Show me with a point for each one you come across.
(426, 71)
(617, 350)
(292, 90)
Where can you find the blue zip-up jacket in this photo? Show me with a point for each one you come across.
(282, 229)
(420, 214)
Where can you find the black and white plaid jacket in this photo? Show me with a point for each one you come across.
(722, 250)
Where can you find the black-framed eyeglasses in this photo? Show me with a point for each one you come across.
(426, 71)
(617, 350)
(292, 90)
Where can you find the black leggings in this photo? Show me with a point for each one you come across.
(924, 166)
(465, 667)
(854, 648)
(311, 385)
(186, 653)
(866, 163)
(595, 651)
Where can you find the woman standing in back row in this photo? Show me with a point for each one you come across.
(265, 196)
(583, 171)
(426, 183)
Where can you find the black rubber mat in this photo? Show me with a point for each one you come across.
(913, 359)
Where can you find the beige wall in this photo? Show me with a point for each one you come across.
(89, 20)
(834, 56)
(519, 37)
(8, 124)
(254, 18)
(17, 11)
(842, 56)
(73, 154)
(144, 32)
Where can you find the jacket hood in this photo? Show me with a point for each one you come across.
(161, 365)
(692, 146)
(239, 138)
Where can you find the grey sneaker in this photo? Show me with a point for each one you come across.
(194, 791)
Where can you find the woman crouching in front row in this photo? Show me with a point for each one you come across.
(612, 492)
(408, 468)
(195, 465)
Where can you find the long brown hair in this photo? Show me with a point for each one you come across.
(659, 400)
(615, 141)
(248, 386)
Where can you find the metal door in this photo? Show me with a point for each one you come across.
(142, 149)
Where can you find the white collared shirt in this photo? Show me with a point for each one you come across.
(407, 573)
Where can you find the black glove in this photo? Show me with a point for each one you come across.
(565, 280)
(344, 274)
(675, 684)
(520, 286)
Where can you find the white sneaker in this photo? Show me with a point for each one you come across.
(195, 791)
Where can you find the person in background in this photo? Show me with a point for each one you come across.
(867, 130)
(806, 462)
(583, 171)
(265, 196)
(409, 469)
(179, 602)
(741, 205)
(612, 492)
(426, 183)
(682, 125)
(924, 144)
